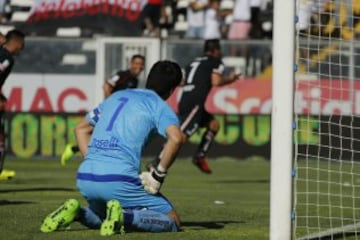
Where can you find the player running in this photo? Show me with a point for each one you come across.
(121, 80)
(14, 43)
(201, 75)
(108, 177)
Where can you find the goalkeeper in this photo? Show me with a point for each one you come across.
(108, 178)
(120, 80)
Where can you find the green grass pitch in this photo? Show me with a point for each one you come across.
(243, 186)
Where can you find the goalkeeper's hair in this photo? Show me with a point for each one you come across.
(164, 77)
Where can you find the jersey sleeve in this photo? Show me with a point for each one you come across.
(4, 65)
(112, 81)
(218, 67)
(94, 115)
(165, 117)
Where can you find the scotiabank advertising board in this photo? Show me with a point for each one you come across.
(44, 110)
(252, 96)
(76, 93)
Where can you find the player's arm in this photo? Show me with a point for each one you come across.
(172, 147)
(107, 89)
(83, 133)
(109, 85)
(85, 128)
(167, 125)
(153, 180)
(218, 78)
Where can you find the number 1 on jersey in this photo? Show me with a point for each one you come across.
(194, 66)
(122, 102)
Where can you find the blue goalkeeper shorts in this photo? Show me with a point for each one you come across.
(99, 189)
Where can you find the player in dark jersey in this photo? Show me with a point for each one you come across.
(125, 79)
(201, 75)
(121, 80)
(14, 43)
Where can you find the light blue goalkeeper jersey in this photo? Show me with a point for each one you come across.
(123, 124)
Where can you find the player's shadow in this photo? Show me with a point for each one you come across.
(7, 202)
(39, 189)
(208, 224)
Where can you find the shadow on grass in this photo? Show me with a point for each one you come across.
(6, 202)
(336, 236)
(38, 190)
(208, 225)
(244, 181)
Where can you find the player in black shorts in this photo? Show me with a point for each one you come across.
(201, 75)
(121, 80)
(14, 43)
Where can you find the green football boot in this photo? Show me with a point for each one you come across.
(67, 154)
(114, 221)
(7, 174)
(61, 217)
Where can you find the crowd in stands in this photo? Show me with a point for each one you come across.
(198, 19)
(208, 19)
(335, 19)
(226, 19)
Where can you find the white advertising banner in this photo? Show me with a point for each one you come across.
(50, 92)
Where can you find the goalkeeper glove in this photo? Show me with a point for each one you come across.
(153, 180)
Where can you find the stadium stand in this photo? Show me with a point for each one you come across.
(174, 20)
(68, 57)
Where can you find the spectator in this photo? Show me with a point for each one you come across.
(2, 10)
(196, 18)
(5, 10)
(151, 13)
(241, 25)
(256, 28)
(212, 21)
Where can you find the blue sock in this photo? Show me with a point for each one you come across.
(89, 219)
(149, 221)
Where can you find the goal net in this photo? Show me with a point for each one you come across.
(326, 199)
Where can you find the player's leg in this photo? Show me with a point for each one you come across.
(69, 152)
(156, 213)
(4, 173)
(114, 220)
(212, 127)
(93, 215)
(103, 215)
(141, 210)
(189, 125)
(151, 221)
(62, 217)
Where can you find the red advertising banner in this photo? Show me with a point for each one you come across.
(241, 97)
(253, 96)
(119, 17)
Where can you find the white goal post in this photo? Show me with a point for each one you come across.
(315, 154)
(282, 119)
